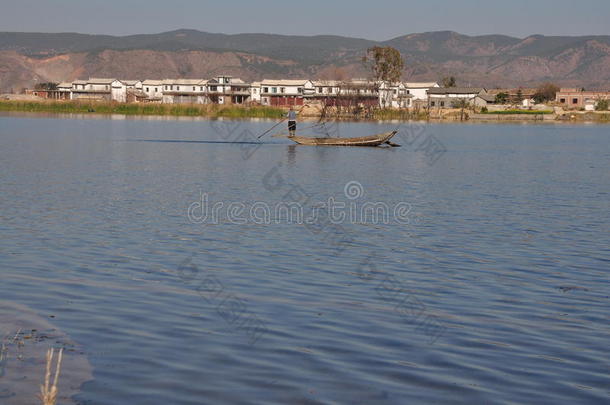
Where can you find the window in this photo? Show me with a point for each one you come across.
(165, 87)
(147, 90)
(395, 91)
(274, 89)
(442, 103)
(156, 89)
(433, 103)
(171, 87)
(178, 88)
(408, 91)
(266, 89)
(282, 89)
(194, 88)
(319, 90)
(201, 88)
(574, 101)
(300, 90)
(106, 87)
(562, 100)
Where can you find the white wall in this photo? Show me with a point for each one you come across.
(153, 90)
(118, 91)
(255, 94)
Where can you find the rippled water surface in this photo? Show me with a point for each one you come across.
(493, 288)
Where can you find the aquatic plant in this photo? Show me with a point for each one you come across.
(191, 110)
(48, 391)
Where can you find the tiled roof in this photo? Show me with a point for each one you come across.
(490, 98)
(290, 82)
(456, 90)
(420, 85)
(185, 82)
(97, 80)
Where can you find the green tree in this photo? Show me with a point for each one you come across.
(546, 92)
(602, 105)
(449, 81)
(501, 98)
(386, 63)
(46, 86)
(519, 96)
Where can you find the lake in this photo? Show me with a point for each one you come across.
(187, 263)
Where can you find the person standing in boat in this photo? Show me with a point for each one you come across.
(292, 122)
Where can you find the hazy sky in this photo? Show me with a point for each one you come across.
(379, 19)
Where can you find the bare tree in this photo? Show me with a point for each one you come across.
(546, 92)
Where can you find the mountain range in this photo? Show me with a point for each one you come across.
(488, 60)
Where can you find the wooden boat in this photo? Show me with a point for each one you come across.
(372, 140)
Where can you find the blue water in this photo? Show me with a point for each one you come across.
(495, 289)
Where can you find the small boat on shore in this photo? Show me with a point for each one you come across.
(372, 140)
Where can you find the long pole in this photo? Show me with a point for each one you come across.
(270, 129)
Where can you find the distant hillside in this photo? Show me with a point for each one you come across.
(490, 60)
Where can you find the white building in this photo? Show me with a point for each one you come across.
(327, 88)
(192, 91)
(286, 92)
(132, 84)
(446, 97)
(228, 90)
(394, 95)
(97, 89)
(255, 92)
(64, 91)
(153, 89)
(419, 90)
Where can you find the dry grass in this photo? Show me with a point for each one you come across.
(48, 391)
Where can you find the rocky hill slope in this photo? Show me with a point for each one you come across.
(491, 60)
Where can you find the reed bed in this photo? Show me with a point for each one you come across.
(402, 114)
(189, 110)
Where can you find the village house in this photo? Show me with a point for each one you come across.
(580, 99)
(97, 89)
(419, 90)
(484, 100)
(255, 92)
(191, 91)
(153, 89)
(326, 88)
(356, 92)
(64, 91)
(228, 90)
(446, 97)
(134, 91)
(364, 92)
(132, 84)
(394, 95)
(286, 92)
(515, 96)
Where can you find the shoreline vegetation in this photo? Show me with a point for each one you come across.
(242, 111)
